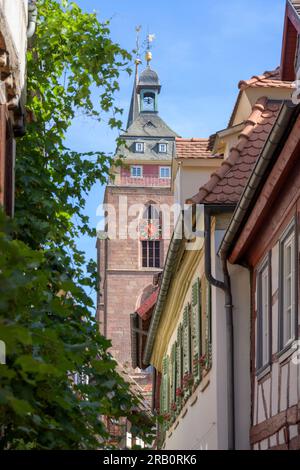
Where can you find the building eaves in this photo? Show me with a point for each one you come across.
(261, 168)
(226, 184)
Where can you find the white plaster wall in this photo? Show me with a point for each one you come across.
(204, 424)
(240, 282)
(197, 428)
(219, 338)
(14, 14)
(251, 95)
(192, 178)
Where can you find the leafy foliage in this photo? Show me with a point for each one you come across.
(46, 315)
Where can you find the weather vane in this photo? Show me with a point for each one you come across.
(138, 45)
(150, 39)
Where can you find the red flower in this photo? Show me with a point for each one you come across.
(174, 406)
(188, 379)
(202, 360)
(178, 392)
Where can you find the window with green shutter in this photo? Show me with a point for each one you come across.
(179, 367)
(173, 378)
(196, 329)
(165, 387)
(187, 356)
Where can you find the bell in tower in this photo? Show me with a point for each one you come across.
(148, 89)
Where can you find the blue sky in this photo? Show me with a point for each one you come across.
(203, 48)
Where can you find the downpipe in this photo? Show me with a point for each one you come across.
(226, 287)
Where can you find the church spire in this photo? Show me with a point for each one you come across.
(134, 105)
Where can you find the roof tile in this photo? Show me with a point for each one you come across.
(266, 80)
(144, 310)
(195, 148)
(227, 184)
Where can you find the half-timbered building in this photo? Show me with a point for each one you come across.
(264, 236)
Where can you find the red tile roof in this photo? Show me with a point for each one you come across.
(194, 148)
(266, 80)
(227, 183)
(145, 309)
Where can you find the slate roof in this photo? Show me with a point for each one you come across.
(195, 148)
(227, 183)
(151, 125)
(148, 77)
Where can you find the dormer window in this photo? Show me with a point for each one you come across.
(136, 171)
(162, 148)
(139, 147)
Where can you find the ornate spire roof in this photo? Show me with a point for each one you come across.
(148, 78)
(134, 104)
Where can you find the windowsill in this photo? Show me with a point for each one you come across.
(263, 372)
(286, 352)
(150, 269)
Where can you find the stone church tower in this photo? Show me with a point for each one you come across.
(127, 267)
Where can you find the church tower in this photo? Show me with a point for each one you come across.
(128, 266)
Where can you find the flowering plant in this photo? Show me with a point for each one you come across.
(188, 380)
(202, 360)
(174, 407)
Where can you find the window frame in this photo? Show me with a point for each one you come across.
(261, 363)
(164, 168)
(156, 247)
(291, 232)
(135, 176)
(165, 145)
(142, 147)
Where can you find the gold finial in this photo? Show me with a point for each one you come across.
(148, 56)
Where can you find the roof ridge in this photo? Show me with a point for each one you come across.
(234, 153)
(268, 75)
(193, 139)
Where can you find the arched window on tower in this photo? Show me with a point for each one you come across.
(148, 102)
(150, 235)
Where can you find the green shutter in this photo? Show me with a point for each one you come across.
(208, 325)
(179, 365)
(165, 384)
(196, 328)
(186, 341)
(187, 353)
(173, 377)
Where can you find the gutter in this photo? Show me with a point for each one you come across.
(163, 292)
(286, 114)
